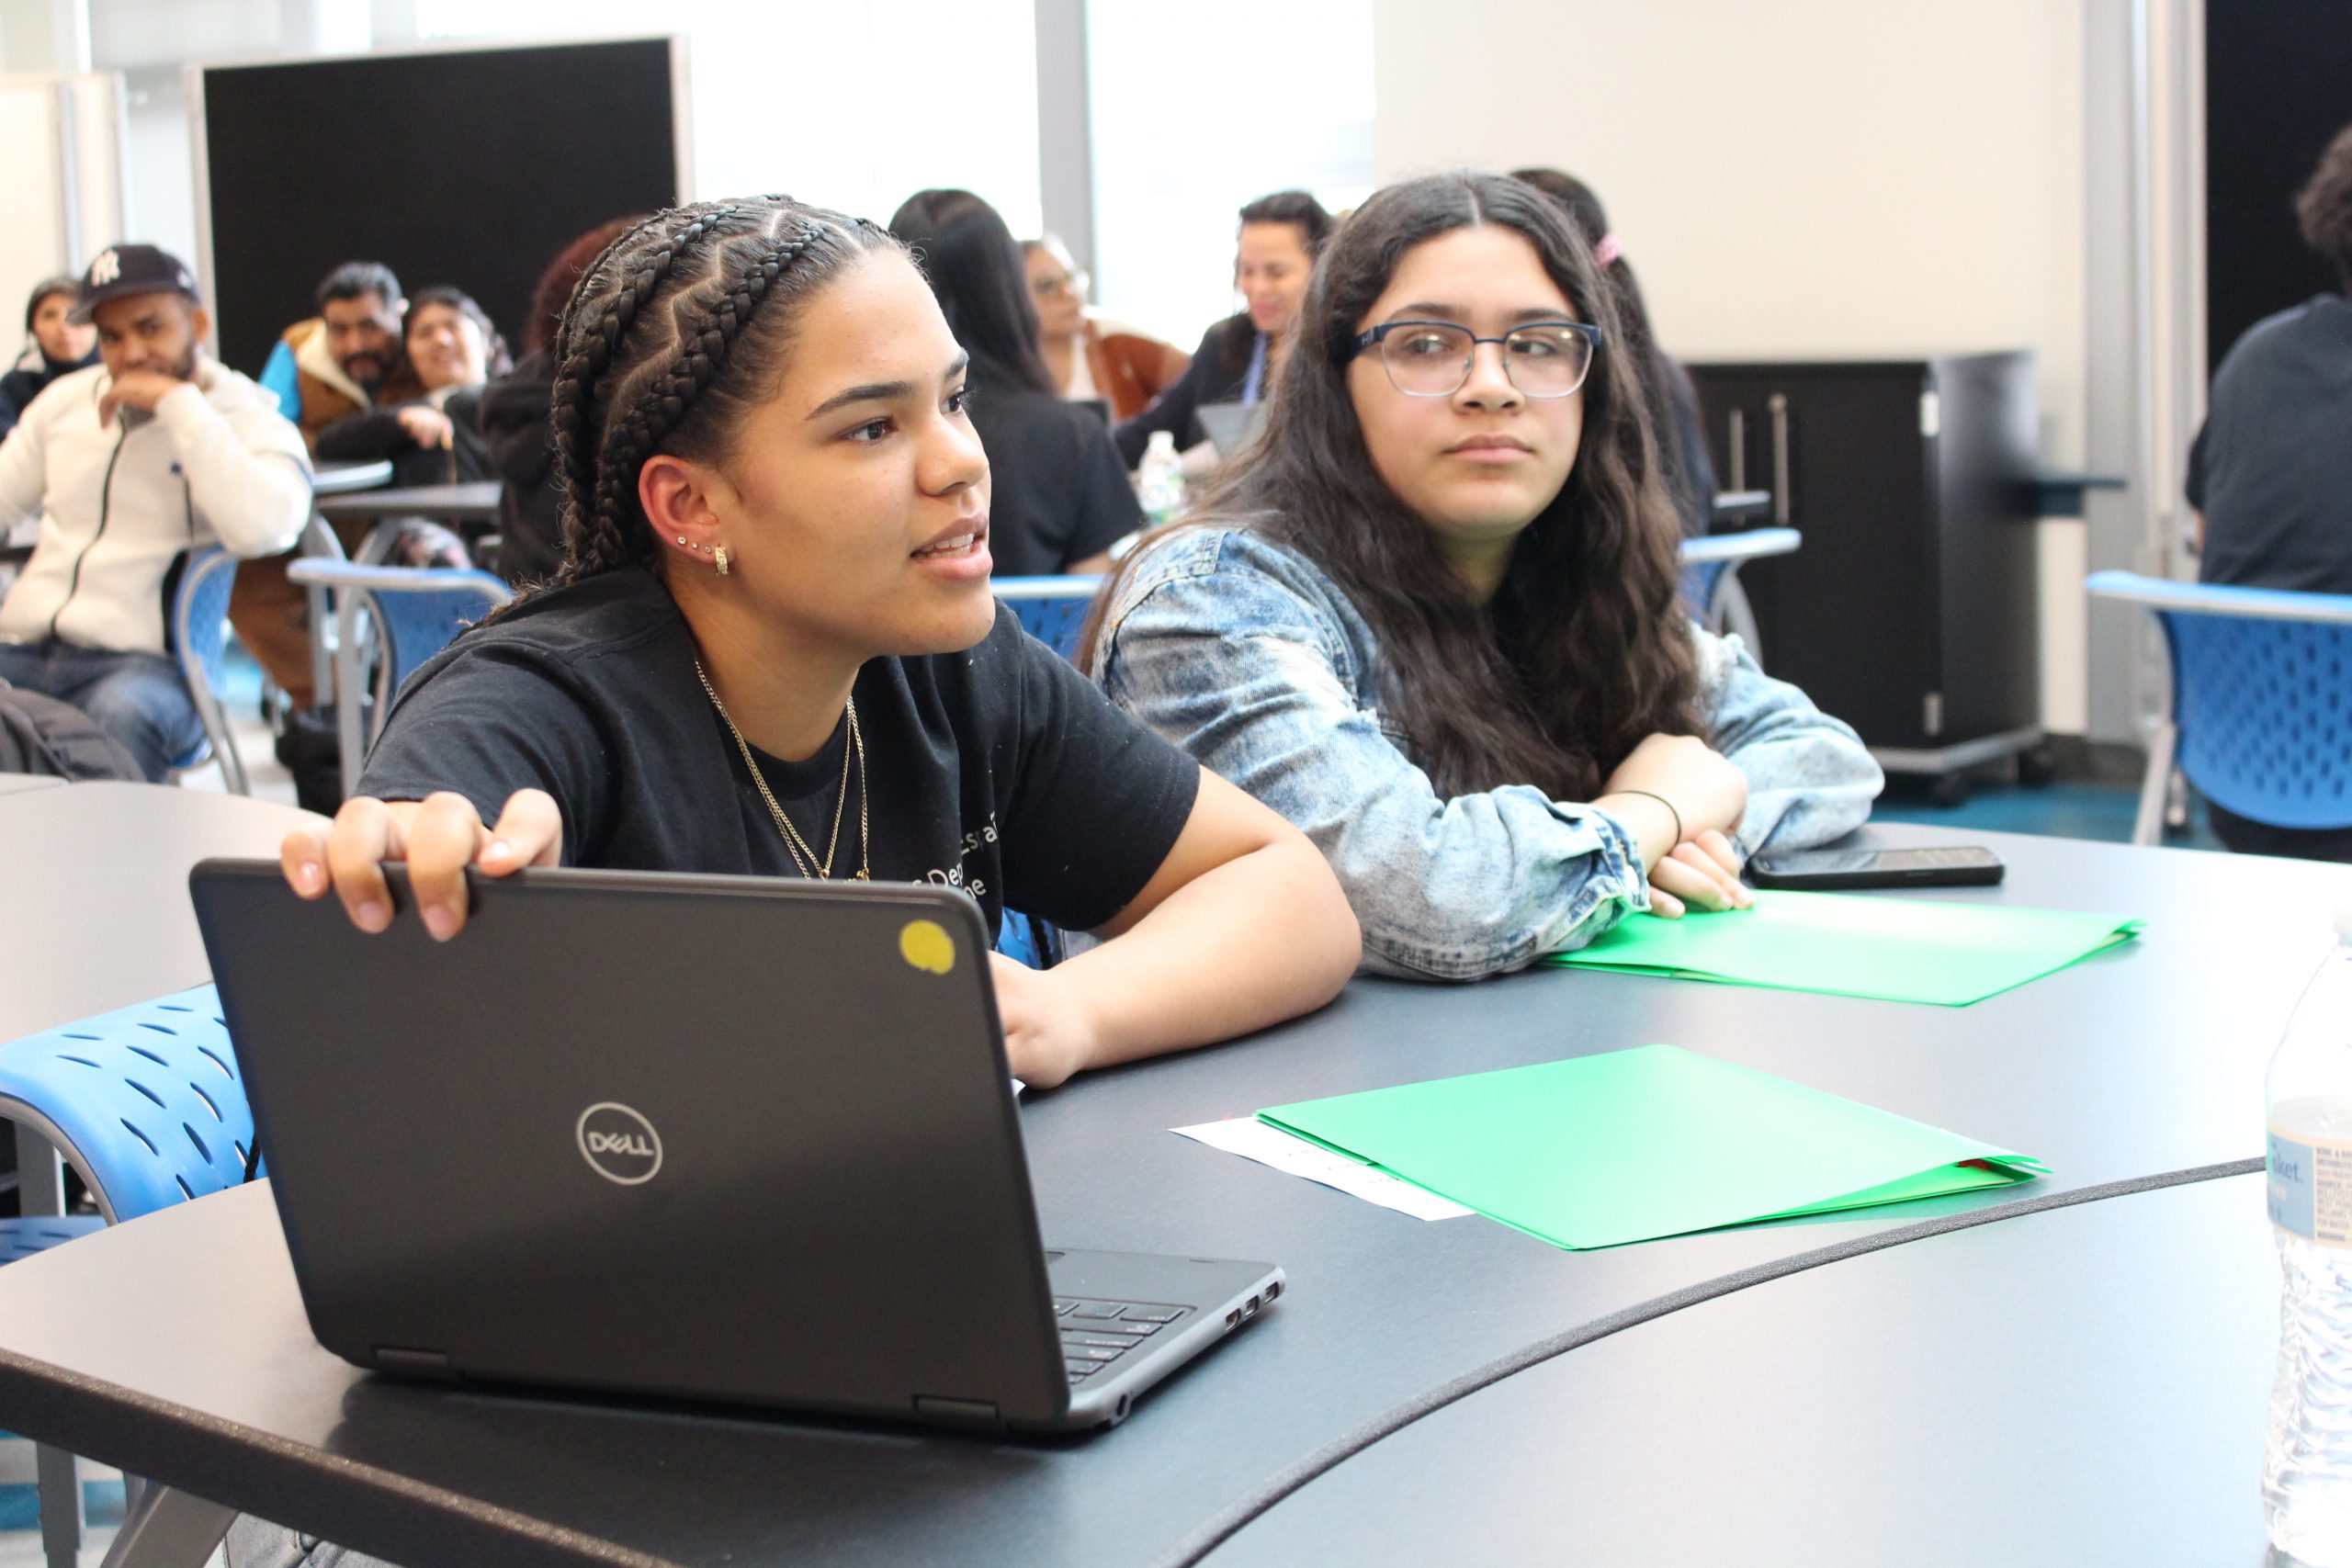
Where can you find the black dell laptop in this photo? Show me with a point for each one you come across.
(726, 1138)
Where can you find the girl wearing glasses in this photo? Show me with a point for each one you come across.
(1093, 358)
(1435, 620)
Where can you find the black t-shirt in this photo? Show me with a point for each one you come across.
(1057, 492)
(2272, 468)
(1000, 770)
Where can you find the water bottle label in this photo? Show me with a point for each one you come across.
(2311, 1188)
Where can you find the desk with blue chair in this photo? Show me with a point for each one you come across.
(397, 617)
(124, 937)
(2259, 717)
(2133, 1068)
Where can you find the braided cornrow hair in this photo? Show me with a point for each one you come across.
(671, 338)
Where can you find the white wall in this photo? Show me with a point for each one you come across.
(1807, 178)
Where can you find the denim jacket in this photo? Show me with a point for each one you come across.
(1243, 653)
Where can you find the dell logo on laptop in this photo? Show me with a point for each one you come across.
(618, 1144)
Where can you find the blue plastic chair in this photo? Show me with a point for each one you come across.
(2260, 717)
(401, 615)
(1051, 609)
(147, 1106)
(201, 641)
(1711, 579)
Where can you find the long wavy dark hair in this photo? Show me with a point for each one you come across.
(674, 336)
(975, 268)
(1586, 648)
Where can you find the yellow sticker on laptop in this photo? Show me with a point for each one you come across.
(926, 946)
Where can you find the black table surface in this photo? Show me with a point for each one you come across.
(474, 503)
(2144, 1059)
(94, 910)
(2081, 1385)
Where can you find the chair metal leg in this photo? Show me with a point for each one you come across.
(165, 1528)
(56, 1477)
(1733, 613)
(2149, 827)
(351, 744)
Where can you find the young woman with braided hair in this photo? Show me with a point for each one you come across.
(772, 649)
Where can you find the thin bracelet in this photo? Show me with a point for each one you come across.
(1662, 801)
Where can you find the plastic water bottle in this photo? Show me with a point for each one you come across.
(1161, 482)
(2307, 1470)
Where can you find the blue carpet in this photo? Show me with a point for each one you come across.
(2060, 810)
(20, 1505)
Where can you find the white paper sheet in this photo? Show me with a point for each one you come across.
(1253, 1139)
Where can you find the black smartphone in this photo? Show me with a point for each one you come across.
(1958, 865)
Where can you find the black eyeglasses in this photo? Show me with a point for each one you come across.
(1432, 359)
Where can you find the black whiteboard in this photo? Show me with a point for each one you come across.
(2278, 88)
(471, 167)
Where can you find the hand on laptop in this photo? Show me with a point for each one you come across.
(438, 837)
(1046, 1039)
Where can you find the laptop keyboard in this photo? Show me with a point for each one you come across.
(1096, 1334)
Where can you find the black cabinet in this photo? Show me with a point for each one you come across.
(1910, 611)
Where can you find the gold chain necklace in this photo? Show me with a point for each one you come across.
(804, 856)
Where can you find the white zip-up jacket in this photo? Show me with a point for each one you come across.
(119, 503)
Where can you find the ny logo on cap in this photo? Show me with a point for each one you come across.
(106, 270)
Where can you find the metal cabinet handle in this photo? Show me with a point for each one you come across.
(1738, 440)
(1779, 404)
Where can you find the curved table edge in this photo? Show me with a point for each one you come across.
(1239, 1516)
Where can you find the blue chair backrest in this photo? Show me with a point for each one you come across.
(418, 622)
(1051, 609)
(146, 1101)
(2263, 710)
(200, 611)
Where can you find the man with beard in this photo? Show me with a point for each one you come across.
(345, 360)
(153, 452)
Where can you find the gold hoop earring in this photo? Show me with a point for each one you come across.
(721, 558)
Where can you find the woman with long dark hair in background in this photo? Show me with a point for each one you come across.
(1436, 623)
(1239, 357)
(1672, 401)
(1061, 497)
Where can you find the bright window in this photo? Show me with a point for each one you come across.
(1200, 108)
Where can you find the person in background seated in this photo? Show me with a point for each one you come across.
(1240, 357)
(776, 599)
(1437, 626)
(431, 439)
(512, 416)
(1090, 357)
(59, 347)
(2270, 474)
(1673, 401)
(1060, 498)
(130, 463)
(344, 360)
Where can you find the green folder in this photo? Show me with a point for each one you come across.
(1850, 944)
(1657, 1141)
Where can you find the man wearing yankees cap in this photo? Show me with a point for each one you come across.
(156, 451)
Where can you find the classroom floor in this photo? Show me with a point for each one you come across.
(2064, 810)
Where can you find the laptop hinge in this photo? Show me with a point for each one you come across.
(414, 1363)
(980, 1410)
